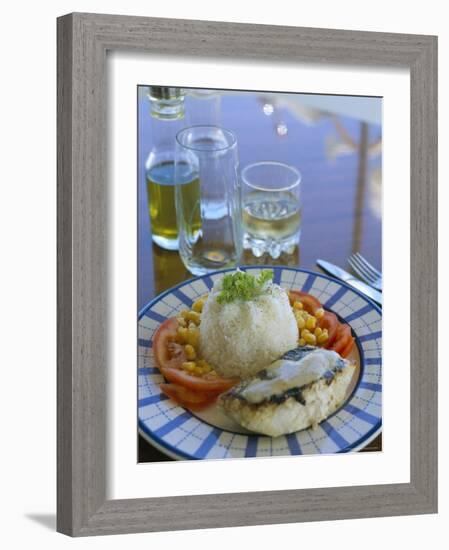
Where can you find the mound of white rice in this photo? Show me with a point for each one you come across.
(242, 337)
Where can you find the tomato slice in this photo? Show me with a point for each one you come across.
(196, 383)
(340, 337)
(330, 322)
(343, 338)
(293, 296)
(310, 303)
(187, 398)
(167, 353)
(348, 348)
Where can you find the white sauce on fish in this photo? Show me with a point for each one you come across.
(284, 374)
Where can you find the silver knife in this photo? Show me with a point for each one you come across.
(350, 280)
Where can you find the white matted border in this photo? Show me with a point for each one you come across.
(126, 478)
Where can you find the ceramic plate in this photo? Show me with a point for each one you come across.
(209, 434)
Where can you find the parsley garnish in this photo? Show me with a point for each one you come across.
(242, 286)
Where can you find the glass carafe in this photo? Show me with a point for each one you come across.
(166, 119)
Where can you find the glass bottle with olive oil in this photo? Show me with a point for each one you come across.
(167, 118)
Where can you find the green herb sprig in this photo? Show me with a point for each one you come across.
(242, 286)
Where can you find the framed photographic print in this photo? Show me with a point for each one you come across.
(246, 274)
(295, 162)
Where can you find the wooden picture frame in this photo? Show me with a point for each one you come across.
(83, 41)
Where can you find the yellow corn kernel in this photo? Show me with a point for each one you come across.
(298, 305)
(302, 342)
(198, 305)
(323, 337)
(301, 322)
(189, 366)
(193, 336)
(304, 332)
(311, 322)
(204, 365)
(310, 339)
(318, 331)
(181, 335)
(184, 313)
(194, 317)
(190, 352)
(319, 313)
(181, 321)
(212, 373)
(198, 371)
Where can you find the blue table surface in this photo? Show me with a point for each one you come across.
(339, 157)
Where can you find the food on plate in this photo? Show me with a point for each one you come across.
(246, 323)
(192, 384)
(203, 384)
(195, 401)
(167, 352)
(319, 327)
(295, 392)
(239, 328)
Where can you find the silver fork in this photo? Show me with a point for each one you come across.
(365, 270)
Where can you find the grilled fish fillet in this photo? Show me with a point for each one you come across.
(297, 391)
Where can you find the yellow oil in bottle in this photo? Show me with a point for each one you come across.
(161, 203)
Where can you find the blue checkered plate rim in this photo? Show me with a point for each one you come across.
(182, 434)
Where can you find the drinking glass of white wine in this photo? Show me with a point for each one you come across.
(208, 210)
(271, 208)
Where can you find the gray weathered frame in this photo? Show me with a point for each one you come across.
(83, 40)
